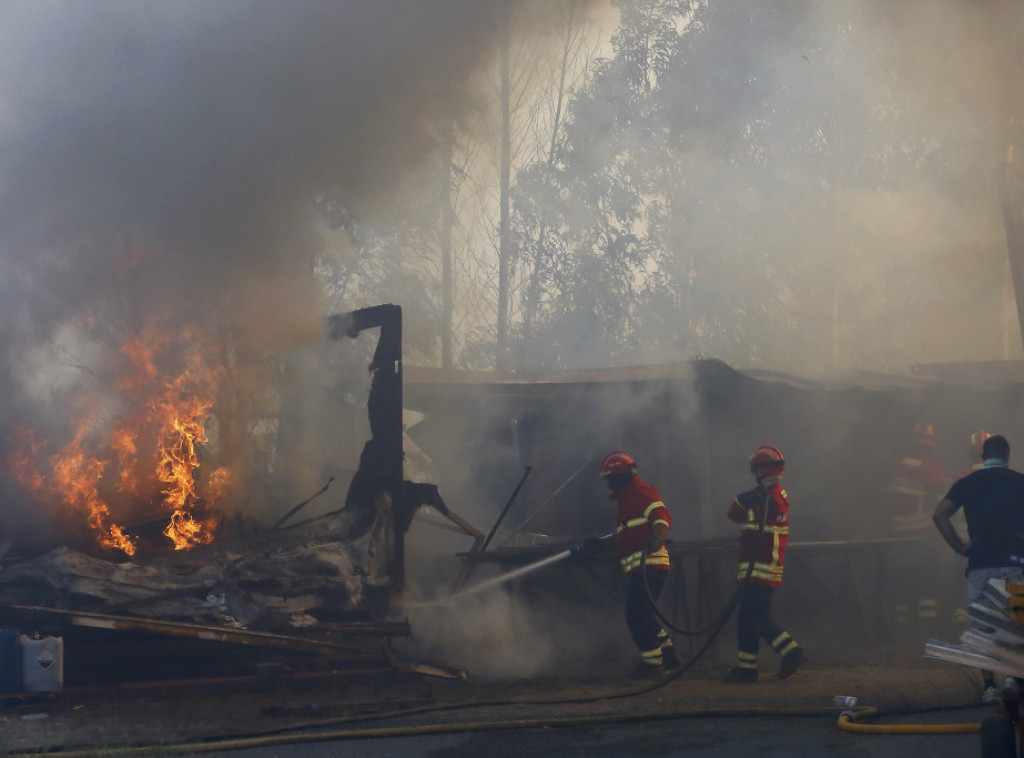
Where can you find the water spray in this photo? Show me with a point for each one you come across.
(498, 580)
(510, 575)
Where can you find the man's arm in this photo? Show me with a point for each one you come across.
(659, 534)
(738, 513)
(943, 513)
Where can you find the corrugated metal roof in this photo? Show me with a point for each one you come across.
(427, 375)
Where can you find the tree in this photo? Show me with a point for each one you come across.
(781, 178)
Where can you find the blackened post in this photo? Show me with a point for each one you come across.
(380, 465)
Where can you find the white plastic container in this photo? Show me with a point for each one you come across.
(42, 664)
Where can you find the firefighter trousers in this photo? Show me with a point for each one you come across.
(754, 622)
(644, 626)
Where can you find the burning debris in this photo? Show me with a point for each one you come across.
(141, 458)
(144, 484)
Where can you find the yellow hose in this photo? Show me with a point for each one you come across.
(847, 725)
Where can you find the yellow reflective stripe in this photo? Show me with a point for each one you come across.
(779, 640)
(761, 571)
(651, 507)
(769, 529)
(775, 552)
(784, 651)
(912, 462)
(633, 560)
(660, 521)
(746, 660)
(633, 522)
(652, 657)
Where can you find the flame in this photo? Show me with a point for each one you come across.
(76, 477)
(26, 445)
(155, 446)
(122, 440)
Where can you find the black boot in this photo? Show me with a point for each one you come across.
(791, 661)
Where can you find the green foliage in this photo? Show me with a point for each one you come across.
(773, 183)
(758, 181)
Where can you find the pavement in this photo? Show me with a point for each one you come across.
(694, 714)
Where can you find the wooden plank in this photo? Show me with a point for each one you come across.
(181, 629)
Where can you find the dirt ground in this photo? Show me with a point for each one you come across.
(168, 721)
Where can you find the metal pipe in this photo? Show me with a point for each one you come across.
(547, 502)
(501, 517)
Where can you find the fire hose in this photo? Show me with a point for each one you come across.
(716, 626)
(847, 724)
(847, 718)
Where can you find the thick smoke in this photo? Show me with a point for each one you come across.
(881, 245)
(160, 172)
(170, 152)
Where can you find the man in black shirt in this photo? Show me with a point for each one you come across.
(993, 502)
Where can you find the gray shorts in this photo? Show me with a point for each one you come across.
(977, 579)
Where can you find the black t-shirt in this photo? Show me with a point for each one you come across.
(993, 503)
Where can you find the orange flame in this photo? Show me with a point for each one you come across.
(22, 463)
(155, 447)
(76, 477)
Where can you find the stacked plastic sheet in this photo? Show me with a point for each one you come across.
(996, 640)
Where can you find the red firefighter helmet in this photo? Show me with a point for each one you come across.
(619, 462)
(924, 434)
(767, 460)
(976, 441)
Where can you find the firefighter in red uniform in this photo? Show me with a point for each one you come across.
(641, 531)
(916, 484)
(763, 513)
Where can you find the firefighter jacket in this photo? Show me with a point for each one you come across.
(916, 484)
(765, 547)
(640, 508)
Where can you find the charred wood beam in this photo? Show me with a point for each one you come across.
(469, 565)
(214, 633)
(302, 681)
(380, 471)
(295, 509)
